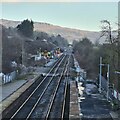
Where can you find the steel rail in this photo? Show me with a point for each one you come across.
(55, 93)
(65, 93)
(43, 93)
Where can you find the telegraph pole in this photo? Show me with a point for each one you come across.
(119, 51)
(23, 53)
(108, 80)
(100, 74)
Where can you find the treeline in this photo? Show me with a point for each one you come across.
(89, 54)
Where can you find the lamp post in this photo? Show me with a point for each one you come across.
(24, 54)
(100, 74)
(118, 73)
(108, 81)
(108, 77)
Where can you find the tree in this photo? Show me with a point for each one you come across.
(112, 50)
(26, 28)
(11, 49)
(41, 35)
(118, 48)
(85, 53)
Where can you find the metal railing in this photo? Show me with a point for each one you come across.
(8, 77)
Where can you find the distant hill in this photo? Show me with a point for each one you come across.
(68, 33)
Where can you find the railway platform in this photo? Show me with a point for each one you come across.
(74, 112)
(15, 93)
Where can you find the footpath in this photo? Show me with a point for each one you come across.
(10, 88)
(95, 106)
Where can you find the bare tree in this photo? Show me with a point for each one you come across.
(113, 39)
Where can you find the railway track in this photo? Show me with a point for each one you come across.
(56, 108)
(43, 101)
(11, 109)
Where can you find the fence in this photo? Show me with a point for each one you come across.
(104, 84)
(8, 77)
(112, 92)
(116, 94)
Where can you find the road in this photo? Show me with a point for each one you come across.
(94, 107)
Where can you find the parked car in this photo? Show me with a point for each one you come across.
(91, 87)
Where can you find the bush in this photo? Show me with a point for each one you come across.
(115, 105)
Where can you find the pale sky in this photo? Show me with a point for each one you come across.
(79, 15)
(59, 0)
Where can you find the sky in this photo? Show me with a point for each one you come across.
(60, 0)
(79, 15)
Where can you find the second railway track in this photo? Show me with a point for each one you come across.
(56, 108)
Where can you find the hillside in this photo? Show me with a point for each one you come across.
(68, 33)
